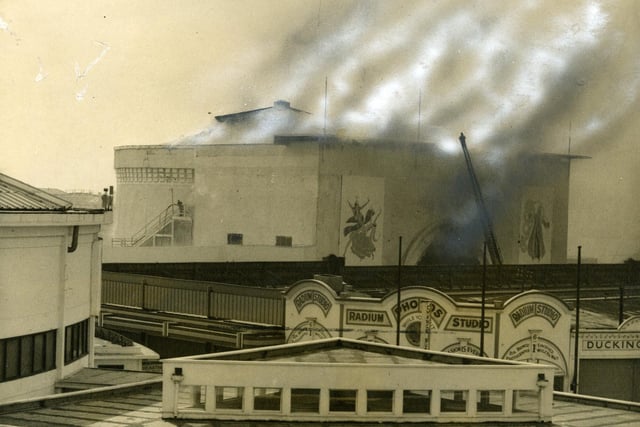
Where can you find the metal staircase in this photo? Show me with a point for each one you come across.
(160, 228)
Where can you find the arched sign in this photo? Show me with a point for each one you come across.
(631, 324)
(372, 336)
(465, 347)
(412, 307)
(312, 296)
(534, 309)
(310, 329)
(537, 350)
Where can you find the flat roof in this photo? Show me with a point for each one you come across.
(349, 351)
(348, 355)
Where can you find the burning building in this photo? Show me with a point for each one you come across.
(260, 186)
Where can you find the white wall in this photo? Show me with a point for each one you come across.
(44, 287)
(265, 190)
(30, 273)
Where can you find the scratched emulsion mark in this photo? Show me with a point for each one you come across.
(42, 74)
(83, 73)
(4, 26)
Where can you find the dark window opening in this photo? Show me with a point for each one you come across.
(27, 355)
(284, 241)
(342, 400)
(76, 343)
(379, 400)
(229, 397)
(453, 400)
(490, 401)
(305, 400)
(416, 402)
(12, 361)
(234, 239)
(266, 399)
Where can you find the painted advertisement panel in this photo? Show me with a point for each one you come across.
(536, 226)
(361, 219)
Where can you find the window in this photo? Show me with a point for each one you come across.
(50, 350)
(229, 397)
(284, 241)
(342, 400)
(558, 383)
(266, 399)
(167, 175)
(76, 342)
(234, 239)
(305, 400)
(525, 401)
(379, 400)
(38, 353)
(453, 401)
(12, 362)
(2, 364)
(490, 400)
(27, 355)
(416, 402)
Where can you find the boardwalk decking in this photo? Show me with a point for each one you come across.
(143, 409)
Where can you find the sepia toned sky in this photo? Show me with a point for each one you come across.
(79, 78)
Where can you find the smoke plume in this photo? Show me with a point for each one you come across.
(527, 76)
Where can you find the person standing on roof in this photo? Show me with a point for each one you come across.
(105, 200)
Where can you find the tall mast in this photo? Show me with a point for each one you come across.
(487, 226)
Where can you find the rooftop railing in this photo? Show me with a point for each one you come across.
(155, 225)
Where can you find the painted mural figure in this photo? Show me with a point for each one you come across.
(361, 231)
(534, 223)
(356, 219)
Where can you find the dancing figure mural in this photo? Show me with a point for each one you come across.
(533, 225)
(361, 231)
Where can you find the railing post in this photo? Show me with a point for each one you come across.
(621, 306)
(143, 303)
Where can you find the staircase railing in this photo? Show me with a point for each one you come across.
(156, 224)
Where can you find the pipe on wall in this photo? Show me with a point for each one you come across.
(74, 241)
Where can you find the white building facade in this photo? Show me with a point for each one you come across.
(531, 326)
(50, 274)
(344, 380)
(304, 198)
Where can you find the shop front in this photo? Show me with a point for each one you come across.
(532, 326)
(616, 352)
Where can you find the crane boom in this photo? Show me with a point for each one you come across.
(489, 236)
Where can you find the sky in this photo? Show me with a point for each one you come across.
(79, 78)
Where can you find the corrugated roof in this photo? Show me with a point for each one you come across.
(16, 195)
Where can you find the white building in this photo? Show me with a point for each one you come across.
(284, 197)
(50, 274)
(340, 379)
(531, 326)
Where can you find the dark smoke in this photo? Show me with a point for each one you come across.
(519, 77)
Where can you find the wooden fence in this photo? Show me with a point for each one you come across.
(207, 299)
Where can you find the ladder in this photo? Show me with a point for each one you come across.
(490, 238)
